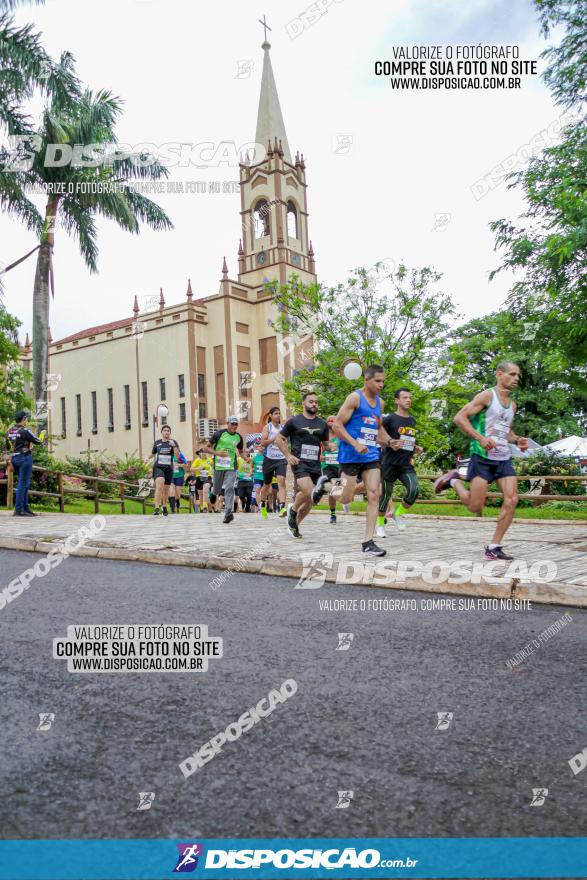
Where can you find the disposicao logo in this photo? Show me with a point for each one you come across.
(187, 860)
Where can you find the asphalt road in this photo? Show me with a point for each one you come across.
(362, 719)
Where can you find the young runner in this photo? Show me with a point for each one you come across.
(358, 426)
(258, 459)
(244, 486)
(191, 482)
(206, 469)
(397, 461)
(162, 453)
(274, 462)
(177, 482)
(487, 420)
(330, 471)
(225, 445)
(306, 433)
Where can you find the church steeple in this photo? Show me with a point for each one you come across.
(270, 125)
(275, 240)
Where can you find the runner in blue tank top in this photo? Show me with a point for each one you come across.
(358, 426)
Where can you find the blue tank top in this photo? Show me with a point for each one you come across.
(363, 426)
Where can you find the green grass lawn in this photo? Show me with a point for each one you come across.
(84, 506)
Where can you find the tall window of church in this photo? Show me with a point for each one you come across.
(127, 407)
(201, 385)
(78, 410)
(292, 220)
(145, 404)
(181, 380)
(202, 410)
(94, 413)
(63, 419)
(182, 412)
(162, 389)
(261, 218)
(110, 410)
(268, 354)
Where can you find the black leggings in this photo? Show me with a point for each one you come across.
(407, 478)
(245, 492)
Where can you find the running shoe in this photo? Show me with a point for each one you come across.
(165, 511)
(332, 519)
(400, 521)
(284, 510)
(28, 512)
(346, 507)
(443, 482)
(264, 512)
(318, 490)
(496, 553)
(292, 524)
(156, 512)
(370, 548)
(228, 518)
(380, 532)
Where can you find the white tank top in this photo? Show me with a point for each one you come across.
(498, 421)
(272, 451)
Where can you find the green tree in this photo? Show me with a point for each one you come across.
(78, 191)
(548, 401)
(548, 243)
(13, 377)
(398, 319)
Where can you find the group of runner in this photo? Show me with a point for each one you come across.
(360, 450)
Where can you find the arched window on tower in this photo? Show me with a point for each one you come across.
(261, 218)
(292, 220)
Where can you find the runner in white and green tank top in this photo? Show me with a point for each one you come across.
(488, 420)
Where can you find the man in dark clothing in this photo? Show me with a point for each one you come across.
(20, 442)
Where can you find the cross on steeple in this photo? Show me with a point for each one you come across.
(265, 25)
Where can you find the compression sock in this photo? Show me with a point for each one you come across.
(172, 504)
(380, 520)
(400, 510)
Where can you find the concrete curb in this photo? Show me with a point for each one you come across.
(541, 593)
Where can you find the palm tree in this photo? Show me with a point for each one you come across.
(80, 193)
(25, 68)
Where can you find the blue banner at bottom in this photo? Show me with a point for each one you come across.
(271, 858)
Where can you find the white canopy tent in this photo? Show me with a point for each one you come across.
(575, 446)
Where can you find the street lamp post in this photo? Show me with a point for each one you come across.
(162, 413)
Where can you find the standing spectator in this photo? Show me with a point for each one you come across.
(20, 442)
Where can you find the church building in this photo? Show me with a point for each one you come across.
(203, 359)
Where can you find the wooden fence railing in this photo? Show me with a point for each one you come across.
(124, 494)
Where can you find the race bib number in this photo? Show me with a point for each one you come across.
(408, 442)
(368, 436)
(330, 458)
(193, 489)
(310, 452)
(223, 463)
(164, 459)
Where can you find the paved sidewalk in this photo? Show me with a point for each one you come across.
(264, 546)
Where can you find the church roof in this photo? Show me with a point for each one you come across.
(270, 123)
(93, 331)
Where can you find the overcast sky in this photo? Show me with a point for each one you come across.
(181, 69)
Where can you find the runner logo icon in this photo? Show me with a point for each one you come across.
(314, 571)
(187, 861)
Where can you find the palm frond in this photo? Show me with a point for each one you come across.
(79, 223)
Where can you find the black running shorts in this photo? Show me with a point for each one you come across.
(273, 467)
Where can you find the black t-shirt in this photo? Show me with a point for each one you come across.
(305, 436)
(163, 452)
(404, 427)
(191, 482)
(20, 438)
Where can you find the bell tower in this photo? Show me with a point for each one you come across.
(274, 212)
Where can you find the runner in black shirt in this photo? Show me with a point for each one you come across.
(396, 462)
(306, 434)
(162, 453)
(20, 444)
